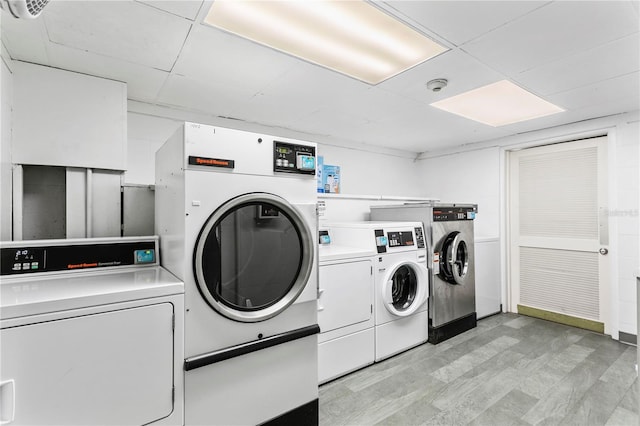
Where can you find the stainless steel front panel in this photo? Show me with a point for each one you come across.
(454, 298)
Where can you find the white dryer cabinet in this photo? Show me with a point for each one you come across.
(84, 348)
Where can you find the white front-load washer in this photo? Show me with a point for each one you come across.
(237, 219)
(401, 282)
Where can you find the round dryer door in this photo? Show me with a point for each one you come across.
(404, 288)
(454, 259)
(253, 257)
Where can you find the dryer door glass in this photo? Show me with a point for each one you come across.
(404, 288)
(455, 255)
(253, 257)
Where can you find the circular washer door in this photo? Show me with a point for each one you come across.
(454, 259)
(403, 289)
(253, 257)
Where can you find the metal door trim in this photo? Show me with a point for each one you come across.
(421, 283)
(307, 247)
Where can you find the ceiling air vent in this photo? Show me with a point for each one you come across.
(26, 9)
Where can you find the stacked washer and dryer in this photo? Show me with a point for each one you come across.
(236, 213)
(450, 237)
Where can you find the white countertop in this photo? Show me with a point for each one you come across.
(32, 295)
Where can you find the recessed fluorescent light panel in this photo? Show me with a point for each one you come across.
(498, 104)
(352, 37)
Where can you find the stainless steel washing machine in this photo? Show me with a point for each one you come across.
(449, 231)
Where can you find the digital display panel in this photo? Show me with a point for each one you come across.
(144, 256)
(400, 238)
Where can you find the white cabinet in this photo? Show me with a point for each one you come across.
(345, 315)
(110, 368)
(61, 118)
(346, 294)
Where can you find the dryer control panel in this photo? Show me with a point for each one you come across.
(294, 158)
(37, 256)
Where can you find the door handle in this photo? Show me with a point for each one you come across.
(603, 251)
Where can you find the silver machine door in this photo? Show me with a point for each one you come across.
(253, 257)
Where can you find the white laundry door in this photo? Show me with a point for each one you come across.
(559, 233)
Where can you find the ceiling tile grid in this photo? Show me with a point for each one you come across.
(582, 55)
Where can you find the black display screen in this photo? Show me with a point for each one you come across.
(400, 238)
(25, 260)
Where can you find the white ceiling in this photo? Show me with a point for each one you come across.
(582, 55)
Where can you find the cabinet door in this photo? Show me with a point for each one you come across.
(346, 294)
(112, 368)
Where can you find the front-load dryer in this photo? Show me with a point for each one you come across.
(237, 219)
(401, 282)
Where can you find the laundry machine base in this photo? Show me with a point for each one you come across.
(450, 329)
(256, 387)
(305, 415)
(345, 354)
(400, 335)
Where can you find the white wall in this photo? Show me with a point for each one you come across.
(624, 221)
(372, 173)
(6, 99)
(467, 177)
(482, 179)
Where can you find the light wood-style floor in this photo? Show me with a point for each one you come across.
(510, 370)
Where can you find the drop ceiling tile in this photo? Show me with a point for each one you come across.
(230, 63)
(126, 30)
(461, 21)
(427, 128)
(185, 93)
(302, 90)
(25, 39)
(185, 8)
(143, 83)
(462, 71)
(609, 60)
(554, 31)
(309, 83)
(603, 92)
